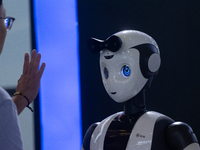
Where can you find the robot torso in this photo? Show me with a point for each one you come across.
(144, 131)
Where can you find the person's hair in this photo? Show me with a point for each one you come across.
(0, 2)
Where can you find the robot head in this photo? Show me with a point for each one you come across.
(128, 59)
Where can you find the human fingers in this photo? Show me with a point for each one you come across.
(26, 63)
(20, 78)
(33, 57)
(41, 70)
(36, 65)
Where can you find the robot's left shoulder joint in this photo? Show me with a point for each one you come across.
(179, 135)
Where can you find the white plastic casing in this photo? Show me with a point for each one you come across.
(119, 87)
(141, 134)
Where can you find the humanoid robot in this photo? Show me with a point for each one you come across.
(129, 60)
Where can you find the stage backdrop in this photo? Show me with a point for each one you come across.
(175, 26)
(174, 92)
(56, 38)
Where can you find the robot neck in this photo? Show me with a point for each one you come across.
(136, 104)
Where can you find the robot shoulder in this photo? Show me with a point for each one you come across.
(179, 135)
(161, 124)
(87, 137)
(97, 132)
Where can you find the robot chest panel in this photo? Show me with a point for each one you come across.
(117, 135)
(111, 134)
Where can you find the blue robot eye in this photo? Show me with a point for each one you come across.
(125, 71)
(106, 73)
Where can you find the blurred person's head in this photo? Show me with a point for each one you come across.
(3, 29)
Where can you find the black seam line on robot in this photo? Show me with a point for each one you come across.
(113, 93)
(109, 57)
(112, 43)
(146, 50)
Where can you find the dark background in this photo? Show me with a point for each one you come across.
(174, 25)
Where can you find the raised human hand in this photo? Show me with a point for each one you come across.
(29, 82)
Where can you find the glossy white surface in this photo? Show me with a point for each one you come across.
(124, 88)
(99, 133)
(193, 146)
(118, 87)
(142, 133)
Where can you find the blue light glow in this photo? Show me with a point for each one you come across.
(56, 30)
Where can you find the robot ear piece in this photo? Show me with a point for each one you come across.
(154, 62)
(149, 59)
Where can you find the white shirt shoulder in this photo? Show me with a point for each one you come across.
(10, 133)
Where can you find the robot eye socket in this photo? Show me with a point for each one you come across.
(106, 73)
(125, 71)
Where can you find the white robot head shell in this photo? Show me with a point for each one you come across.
(128, 59)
